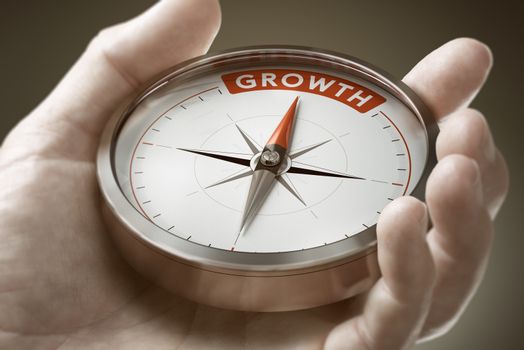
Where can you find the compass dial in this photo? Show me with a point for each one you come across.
(189, 164)
(253, 179)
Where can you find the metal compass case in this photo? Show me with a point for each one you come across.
(253, 179)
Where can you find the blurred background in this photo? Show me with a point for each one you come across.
(40, 40)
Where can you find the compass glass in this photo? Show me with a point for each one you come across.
(336, 148)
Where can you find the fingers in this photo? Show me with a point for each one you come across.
(450, 77)
(168, 33)
(396, 306)
(460, 239)
(469, 183)
(115, 63)
(466, 132)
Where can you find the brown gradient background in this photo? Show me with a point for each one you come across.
(40, 40)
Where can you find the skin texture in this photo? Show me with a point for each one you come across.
(62, 285)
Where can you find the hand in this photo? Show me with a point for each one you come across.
(62, 284)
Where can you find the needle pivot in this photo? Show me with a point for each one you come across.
(270, 158)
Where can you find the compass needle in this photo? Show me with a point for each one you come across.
(268, 165)
(236, 158)
(306, 169)
(261, 184)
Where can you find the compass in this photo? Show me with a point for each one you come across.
(253, 179)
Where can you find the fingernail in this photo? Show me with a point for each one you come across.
(490, 151)
(475, 183)
(475, 176)
(423, 217)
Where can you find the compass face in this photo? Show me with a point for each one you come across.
(267, 156)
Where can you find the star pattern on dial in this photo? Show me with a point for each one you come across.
(244, 159)
(257, 164)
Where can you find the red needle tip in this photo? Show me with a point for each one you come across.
(282, 134)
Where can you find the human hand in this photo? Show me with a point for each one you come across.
(63, 284)
(428, 278)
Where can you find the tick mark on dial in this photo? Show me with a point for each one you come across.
(220, 92)
(379, 181)
(386, 127)
(183, 107)
(192, 193)
(378, 212)
(374, 115)
(139, 172)
(140, 157)
(157, 215)
(401, 169)
(345, 134)
(396, 184)
(169, 229)
(201, 99)
(400, 154)
(146, 202)
(141, 187)
(167, 117)
(346, 236)
(147, 143)
(390, 199)
(230, 117)
(155, 130)
(395, 140)
(164, 146)
(313, 213)
(366, 226)
(187, 239)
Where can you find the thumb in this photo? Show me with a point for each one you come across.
(117, 61)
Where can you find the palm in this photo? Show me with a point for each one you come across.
(62, 282)
(60, 245)
(73, 287)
